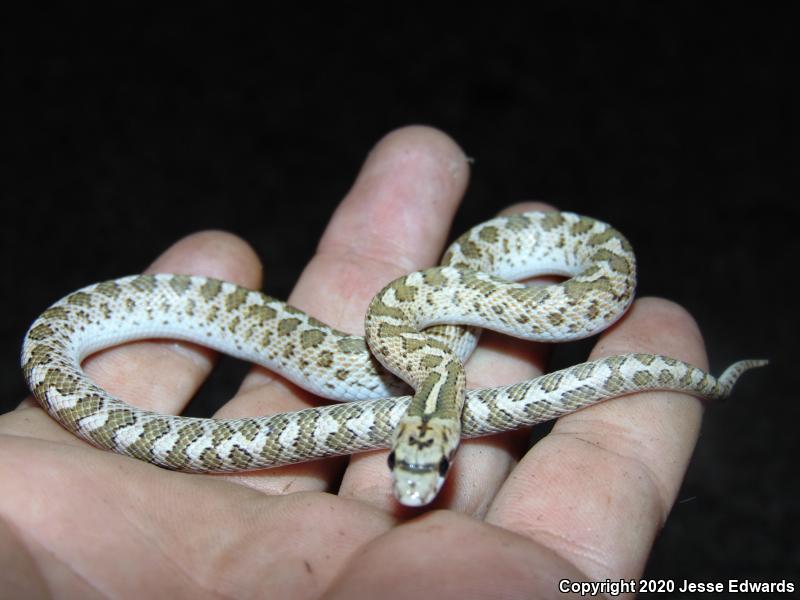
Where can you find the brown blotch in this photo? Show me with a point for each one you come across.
(607, 235)
(665, 378)
(144, 283)
(645, 359)
(386, 330)
(236, 298)
(582, 225)
(117, 418)
(618, 264)
(577, 289)
(614, 383)
(240, 458)
(434, 277)
(151, 431)
(221, 433)
(311, 338)
(551, 220)
(287, 326)
(180, 283)
(524, 295)
(470, 249)
(643, 378)
(471, 281)
(584, 371)
(412, 344)
(425, 389)
(248, 429)
(551, 382)
(403, 292)
(210, 459)
(84, 407)
(489, 234)
(352, 344)
(602, 237)
(80, 299)
(517, 222)
(210, 289)
(379, 309)
(430, 361)
(578, 395)
(64, 384)
(40, 332)
(260, 312)
(55, 312)
(110, 289)
(37, 356)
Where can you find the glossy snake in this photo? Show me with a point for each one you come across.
(469, 289)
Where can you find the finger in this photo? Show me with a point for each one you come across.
(444, 554)
(600, 485)
(394, 220)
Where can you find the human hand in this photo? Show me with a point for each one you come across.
(584, 504)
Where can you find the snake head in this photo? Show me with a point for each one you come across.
(420, 458)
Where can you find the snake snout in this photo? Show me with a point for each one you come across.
(416, 487)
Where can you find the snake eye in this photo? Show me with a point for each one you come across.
(444, 465)
(390, 460)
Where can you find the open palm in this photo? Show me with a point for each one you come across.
(584, 504)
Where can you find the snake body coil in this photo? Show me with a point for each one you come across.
(421, 327)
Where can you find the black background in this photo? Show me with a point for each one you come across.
(123, 132)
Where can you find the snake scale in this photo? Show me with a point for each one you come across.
(420, 327)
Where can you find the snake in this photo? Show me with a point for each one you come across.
(420, 329)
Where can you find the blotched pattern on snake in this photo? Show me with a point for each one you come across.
(420, 327)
